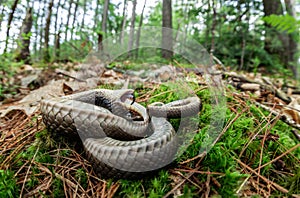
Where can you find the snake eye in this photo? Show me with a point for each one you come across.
(128, 96)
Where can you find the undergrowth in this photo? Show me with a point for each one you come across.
(253, 138)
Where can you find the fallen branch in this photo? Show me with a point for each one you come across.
(277, 92)
(284, 118)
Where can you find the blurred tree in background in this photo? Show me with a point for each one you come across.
(245, 34)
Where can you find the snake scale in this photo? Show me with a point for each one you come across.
(121, 137)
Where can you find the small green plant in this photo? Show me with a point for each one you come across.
(8, 184)
(81, 176)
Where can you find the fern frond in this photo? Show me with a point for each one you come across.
(283, 22)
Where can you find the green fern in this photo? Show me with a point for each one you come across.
(283, 22)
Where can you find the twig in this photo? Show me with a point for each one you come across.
(179, 184)
(278, 187)
(188, 179)
(280, 156)
(22, 189)
(283, 117)
(69, 76)
(255, 135)
(263, 143)
(200, 172)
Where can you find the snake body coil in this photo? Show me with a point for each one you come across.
(119, 137)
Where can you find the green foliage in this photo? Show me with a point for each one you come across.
(156, 186)
(81, 177)
(8, 184)
(58, 189)
(283, 22)
(7, 69)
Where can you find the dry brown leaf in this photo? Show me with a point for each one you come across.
(293, 110)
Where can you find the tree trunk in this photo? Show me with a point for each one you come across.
(292, 40)
(56, 16)
(131, 33)
(213, 28)
(68, 19)
(57, 46)
(208, 23)
(10, 18)
(96, 18)
(74, 19)
(24, 38)
(123, 22)
(84, 13)
(41, 29)
(100, 44)
(1, 17)
(167, 34)
(57, 31)
(47, 32)
(138, 35)
(104, 17)
(286, 51)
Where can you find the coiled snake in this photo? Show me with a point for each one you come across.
(120, 136)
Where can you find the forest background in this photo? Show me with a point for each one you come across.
(245, 35)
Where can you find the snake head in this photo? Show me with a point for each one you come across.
(128, 95)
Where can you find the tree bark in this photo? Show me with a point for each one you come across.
(131, 33)
(84, 13)
(167, 33)
(292, 40)
(100, 44)
(213, 28)
(41, 29)
(1, 17)
(123, 22)
(96, 18)
(47, 32)
(24, 38)
(286, 51)
(10, 18)
(68, 19)
(57, 30)
(56, 16)
(74, 18)
(138, 35)
(104, 17)
(57, 46)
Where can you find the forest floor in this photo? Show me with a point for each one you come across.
(256, 152)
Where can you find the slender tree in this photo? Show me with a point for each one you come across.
(10, 18)
(132, 24)
(84, 13)
(1, 16)
(58, 31)
(57, 46)
(213, 28)
(104, 17)
(96, 16)
(167, 33)
(36, 28)
(292, 40)
(68, 19)
(41, 28)
(47, 32)
(74, 18)
(24, 38)
(123, 22)
(138, 35)
(56, 16)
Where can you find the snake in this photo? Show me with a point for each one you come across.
(121, 138)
